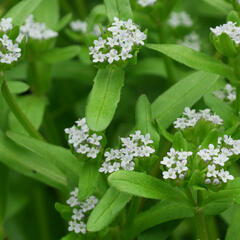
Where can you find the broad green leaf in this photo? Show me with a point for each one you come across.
(220, 5)
(104, 98)
(144, 121)
(20, 11)
(60, 54)
(48, 12)
(30, 164)
(162, 212)
(233, 229)
(143, 185)
(170, 105)
(111, 8)
(33, 107)
(88, 176)
(56, 155)
(221, 109)
(118, 8)
(194, 59)
(107, 209)
(97, 12)
(17, 87)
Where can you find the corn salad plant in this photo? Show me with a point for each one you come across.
(120, 119)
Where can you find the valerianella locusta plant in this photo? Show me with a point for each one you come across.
(145, 3)
(180, 19)
(36, 30)
(80, 212)
(120, 43)
(84, 142)
(10, 50)
(133, 147)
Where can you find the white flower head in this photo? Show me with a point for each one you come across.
(121, 40)
(145, 3)
(136, 145)
(180, 19)
(82, 140)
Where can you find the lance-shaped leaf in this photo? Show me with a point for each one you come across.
(143, 185)
(162, 212)
(144, 120)
(194, 59)
(170, 105)
(118, 8)
(60, 54)
(220, 5)
(233, 229)
(221, 109)
(30, 164)
(22, 10)
(107, 209)
(104, 98)
(59, 156)
(88, 176)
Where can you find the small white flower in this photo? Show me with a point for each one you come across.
(99, 57)
(113, 56)
(73, 201)
(220, 159)
(168, 161)
(212, 172)
(225, 176)
(171, 173)
(145, 3)
(180, 19)
(77, 214)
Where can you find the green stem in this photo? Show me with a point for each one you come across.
(132, 212)
(18, 112)
(200, 220)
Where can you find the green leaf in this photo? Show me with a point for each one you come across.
(144, 121)
(48, 12)
(88, 179)
(104, 98)
(73, 236)
(179, 142)
(22, 10)
(98, 11)
(3, 191)
(64, 21)
(33, 107)
(107, 209)
(143, 185)
(233, 229)
(194, 59)
(56, 155)
(60, 54)
(170, 105)
(30, 164)
(220, 5)
(221, 109)
(64, 210)
(163, 211)
(118, 8)
(17, 87)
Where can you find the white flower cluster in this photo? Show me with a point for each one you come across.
(81, 26)
(215, 158)
(80, 212)
(191, 117)
(145, 3)
(83, 142)
(176, 164)
(36, 30)
(227, 94)
(134, 146)
(180, 19)
(10, 51)
(230, 29)
(192, 41)
(123, 36)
